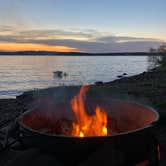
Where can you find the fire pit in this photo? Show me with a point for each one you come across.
(125, 134)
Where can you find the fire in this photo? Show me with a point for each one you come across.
(87, 125)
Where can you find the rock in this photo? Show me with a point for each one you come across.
(124, 74)
(144, 72)
(58, 74)
(120, 76)
(99, 83)
(65, 74)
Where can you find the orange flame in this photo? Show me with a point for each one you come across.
(87, 125)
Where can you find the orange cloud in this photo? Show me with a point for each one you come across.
(35, 47)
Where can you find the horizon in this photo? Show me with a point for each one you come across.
(79, 52)
(82, 26)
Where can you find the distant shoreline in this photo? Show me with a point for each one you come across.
(48, 53)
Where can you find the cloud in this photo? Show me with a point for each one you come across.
(83, 40)
(6, 28)
(123, 39)
(56, 34)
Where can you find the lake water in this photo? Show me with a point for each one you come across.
(22, 73)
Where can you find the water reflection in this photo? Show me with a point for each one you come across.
(20, 73)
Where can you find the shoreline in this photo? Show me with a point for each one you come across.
(52, 53)
(144, 85)
(150, 85)
(21, 92)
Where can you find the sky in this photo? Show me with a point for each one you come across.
(82, 25)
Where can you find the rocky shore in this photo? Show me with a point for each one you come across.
(147, 87)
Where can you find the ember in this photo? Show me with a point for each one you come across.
(87, 125)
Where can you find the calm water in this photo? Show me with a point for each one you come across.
(22, 73)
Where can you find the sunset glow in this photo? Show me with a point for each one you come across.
(86, 26)
(34, 47)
